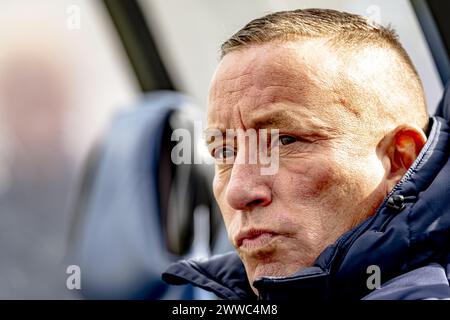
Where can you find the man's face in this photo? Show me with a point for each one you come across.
(329, 176)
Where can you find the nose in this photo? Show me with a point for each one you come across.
(247, 188)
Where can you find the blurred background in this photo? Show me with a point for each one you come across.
(90, 93)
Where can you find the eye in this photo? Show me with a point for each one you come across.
(223, 153)
(285, 140)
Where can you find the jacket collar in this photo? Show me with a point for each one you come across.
(222, 274)
(406, 232)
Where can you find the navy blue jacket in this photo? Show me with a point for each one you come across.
(408, 238)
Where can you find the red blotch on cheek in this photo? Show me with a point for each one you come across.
(311, 181)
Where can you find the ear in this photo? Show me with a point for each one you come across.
(399, 148)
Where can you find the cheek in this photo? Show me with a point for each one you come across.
(371, 185)
(338, 176)
(307, 179)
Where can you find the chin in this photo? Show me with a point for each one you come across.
(273, 269)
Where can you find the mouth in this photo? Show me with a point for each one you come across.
(254, 238)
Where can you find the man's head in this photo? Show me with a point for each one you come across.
(351, 115)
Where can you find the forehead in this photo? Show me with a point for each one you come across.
(267, 77)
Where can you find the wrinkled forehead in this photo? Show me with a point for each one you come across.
(264, 66)
(258, 77)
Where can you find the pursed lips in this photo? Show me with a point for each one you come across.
(254, 238)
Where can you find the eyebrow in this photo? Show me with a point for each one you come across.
(277, 119)
(283, 119)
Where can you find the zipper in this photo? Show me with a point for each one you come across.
(395, 205)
